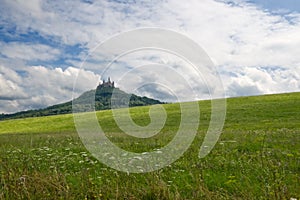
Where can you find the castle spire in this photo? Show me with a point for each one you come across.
(107, 83)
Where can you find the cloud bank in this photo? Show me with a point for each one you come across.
(43, 44)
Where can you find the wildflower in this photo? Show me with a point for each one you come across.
(22, 180)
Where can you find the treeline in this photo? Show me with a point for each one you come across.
(103, 98)
(64, 108)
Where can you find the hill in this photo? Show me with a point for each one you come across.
(269, 112)
(256, 157)
(103, 94)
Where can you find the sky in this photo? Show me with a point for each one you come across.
(44, 46)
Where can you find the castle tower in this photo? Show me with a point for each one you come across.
(109, 83)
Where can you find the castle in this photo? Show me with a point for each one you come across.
(107, 84)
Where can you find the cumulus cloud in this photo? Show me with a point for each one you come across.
(261, 80)
(39, 87)
(255, 51)
(10, 90)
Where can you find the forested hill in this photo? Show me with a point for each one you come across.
(102, 96)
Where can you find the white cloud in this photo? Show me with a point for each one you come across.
(58, 83)
(233, 35)
(256, 52)
(9, 85)
(10, 90)
(242, 35)
(29, 52)
(255, 81)
(152, 72)
(41, 87)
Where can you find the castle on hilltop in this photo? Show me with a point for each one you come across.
(107, 84)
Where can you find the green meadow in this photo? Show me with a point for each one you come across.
(256, 157)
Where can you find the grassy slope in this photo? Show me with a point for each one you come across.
(246, 113)
(256, 156)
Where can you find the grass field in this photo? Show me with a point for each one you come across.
(256, 157)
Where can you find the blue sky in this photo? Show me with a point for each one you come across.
(253, 43)
(276, 5)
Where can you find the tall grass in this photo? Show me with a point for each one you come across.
(257, 157)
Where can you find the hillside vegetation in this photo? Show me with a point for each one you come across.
(256, 157)
(102, 97)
